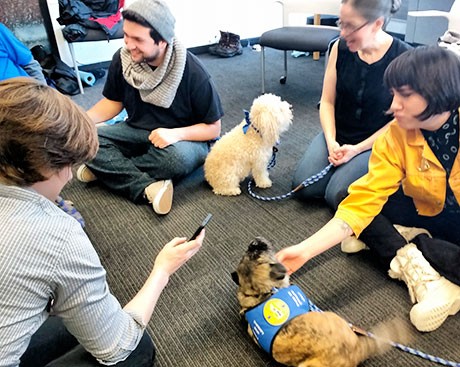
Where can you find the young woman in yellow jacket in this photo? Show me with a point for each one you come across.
(406, 208)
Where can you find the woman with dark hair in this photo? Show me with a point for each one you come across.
(353, 101)
(406, 208)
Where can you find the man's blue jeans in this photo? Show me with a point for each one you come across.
(53, 346)
(127, 162)
(334, 186)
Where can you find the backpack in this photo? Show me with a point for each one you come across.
(57, 73)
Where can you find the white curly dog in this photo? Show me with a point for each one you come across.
(247, 148)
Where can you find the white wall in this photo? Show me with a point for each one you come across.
(198, 23)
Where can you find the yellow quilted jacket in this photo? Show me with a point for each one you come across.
(398, 157)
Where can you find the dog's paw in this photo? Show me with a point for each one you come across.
(264, 183)
(227, 192)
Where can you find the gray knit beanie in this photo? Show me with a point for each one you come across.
(158, 14)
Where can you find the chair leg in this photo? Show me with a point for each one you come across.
(75, 66)
(284, 77)
(262, 67)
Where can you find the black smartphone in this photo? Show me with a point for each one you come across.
(200, 228)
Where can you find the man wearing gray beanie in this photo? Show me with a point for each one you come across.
(173, 111)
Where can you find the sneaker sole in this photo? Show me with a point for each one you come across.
(163, 199)
(437, 316)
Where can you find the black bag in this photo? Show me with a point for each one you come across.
(229, 45)
(57, 73)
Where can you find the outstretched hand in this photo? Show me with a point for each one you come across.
(176, 253)
(292, 258)
(173, 255)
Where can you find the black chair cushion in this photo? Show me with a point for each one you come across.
(308, 38)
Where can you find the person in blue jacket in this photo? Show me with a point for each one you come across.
(16, 59)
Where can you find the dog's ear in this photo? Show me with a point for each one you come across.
(235, 277)
(264, 120)
(259, 244)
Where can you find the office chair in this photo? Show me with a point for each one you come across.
(94, 35)
(307, 38)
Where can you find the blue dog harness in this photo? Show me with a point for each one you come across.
(285, 304)
(267, 318)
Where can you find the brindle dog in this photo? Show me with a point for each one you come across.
(312, 339)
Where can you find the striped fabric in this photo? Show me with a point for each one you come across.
(44, 253)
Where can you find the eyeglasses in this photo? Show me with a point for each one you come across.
(348, 28)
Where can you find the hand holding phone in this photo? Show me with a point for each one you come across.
(200, 228)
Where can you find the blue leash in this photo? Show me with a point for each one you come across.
(307, 182)
(402, 347)
(67, 206)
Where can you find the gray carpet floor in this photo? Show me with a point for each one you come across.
(196, 321)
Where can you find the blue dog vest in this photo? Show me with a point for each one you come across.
(267, 318)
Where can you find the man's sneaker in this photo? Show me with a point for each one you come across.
(84, 174)
(160, 195)
(442, 299)
(352, 245)
(409, 233)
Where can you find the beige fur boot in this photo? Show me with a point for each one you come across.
(351, 245)
(409, 233)
(436, 297)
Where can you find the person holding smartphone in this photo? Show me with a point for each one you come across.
(56, 308)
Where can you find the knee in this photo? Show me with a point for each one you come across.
(181, 162)
(300, 173)
(334, 197)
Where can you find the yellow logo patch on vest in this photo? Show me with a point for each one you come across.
(276, 312)
(267, 318)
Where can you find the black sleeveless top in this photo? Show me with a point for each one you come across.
(361, 98)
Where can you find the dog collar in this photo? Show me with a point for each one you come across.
(249, 124)
(267, 318)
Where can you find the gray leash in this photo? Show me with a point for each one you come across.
(307, 182)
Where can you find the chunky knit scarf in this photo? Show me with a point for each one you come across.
(159, 86)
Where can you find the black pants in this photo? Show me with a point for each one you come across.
(53, 346)
(442, 251)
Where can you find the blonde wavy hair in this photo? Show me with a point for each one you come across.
(41, 132)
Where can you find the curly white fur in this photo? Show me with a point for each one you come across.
(236, 154)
